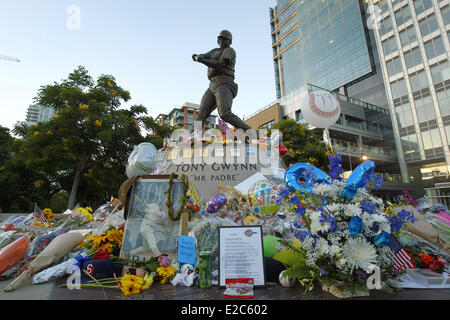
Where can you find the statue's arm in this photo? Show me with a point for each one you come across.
(204, 59)
(212, 63)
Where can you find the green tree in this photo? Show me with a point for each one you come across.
(89, 133)
(17, 193)
(304, 145)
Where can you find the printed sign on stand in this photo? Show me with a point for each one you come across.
(241, 254)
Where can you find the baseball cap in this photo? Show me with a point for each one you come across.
(100, 269)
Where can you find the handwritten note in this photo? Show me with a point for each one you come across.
(186, 250)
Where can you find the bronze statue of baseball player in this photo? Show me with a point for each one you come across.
(222, 88)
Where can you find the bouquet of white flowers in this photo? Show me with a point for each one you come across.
(340, 240)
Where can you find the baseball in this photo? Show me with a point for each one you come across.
(286, 281)
(320, 109)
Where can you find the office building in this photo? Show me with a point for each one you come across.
(183, 117)
(36, 113)
(318, 42)
(412, 37)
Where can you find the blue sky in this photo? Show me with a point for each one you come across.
(146, 45)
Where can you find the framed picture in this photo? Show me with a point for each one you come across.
(241, 254)
(148, 230)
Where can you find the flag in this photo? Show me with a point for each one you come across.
(39, 214)
(401, 259)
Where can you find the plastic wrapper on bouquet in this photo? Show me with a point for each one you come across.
(54, 252)
(54, 272)
(13, 253)
(207, 237)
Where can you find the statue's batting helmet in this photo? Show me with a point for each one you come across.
(226, 34)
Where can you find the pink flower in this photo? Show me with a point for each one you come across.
(164, 261)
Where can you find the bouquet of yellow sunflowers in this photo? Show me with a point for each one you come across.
(109, 241)
(49, 219)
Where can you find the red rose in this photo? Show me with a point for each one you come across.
(435, 265)
(282, 149)
(10, 227)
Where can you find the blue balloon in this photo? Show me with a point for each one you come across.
(358, 179)
(303, 176)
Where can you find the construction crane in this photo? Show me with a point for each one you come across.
(9, 58)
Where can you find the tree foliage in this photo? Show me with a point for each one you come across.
(87, 142)
(16, 180)
(303, 144)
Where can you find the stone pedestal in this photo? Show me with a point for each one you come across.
(210, 165)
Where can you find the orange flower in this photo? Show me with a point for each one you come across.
(426, 258)
(98, 123)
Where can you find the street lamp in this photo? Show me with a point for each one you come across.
(364, 157)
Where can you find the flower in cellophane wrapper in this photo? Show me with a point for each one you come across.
(166, 269)
(341, 239)
(85, 213)
(109, 241)
(165, 273)
(431, 262)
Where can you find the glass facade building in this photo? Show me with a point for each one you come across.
(392, 54)
(412, 37)
(319, 42)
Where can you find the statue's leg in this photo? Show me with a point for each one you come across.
(224, 98)
(207, 106)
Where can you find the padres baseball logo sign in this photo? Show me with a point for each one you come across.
(320, 109)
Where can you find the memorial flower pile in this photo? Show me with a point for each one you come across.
(431, 262)
(405, 199)
(341, 240)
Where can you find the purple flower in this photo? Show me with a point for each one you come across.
(397, 221)
(323, 272)
(300, 210)
(295, 200)
(378, 181)
(284, 193)
(335, 166)
(368, 206)
(164, 261)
